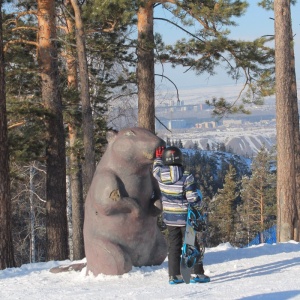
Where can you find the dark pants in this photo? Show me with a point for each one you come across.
(175, 239)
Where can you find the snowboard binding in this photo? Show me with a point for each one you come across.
(190, 255)
(197, 220)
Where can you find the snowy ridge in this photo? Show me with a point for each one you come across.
(259, 272)
(244, 140)
(249, 144)
(241, 163)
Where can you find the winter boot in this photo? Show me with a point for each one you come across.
(200, 278)
(175, 279)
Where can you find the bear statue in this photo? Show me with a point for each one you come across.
(122, 205)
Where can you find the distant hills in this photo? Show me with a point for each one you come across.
(243, 139)
(190, 120)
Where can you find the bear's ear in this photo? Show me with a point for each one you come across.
(111, 134)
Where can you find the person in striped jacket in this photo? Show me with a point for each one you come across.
(178, 191)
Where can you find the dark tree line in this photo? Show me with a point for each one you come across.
(240, 200)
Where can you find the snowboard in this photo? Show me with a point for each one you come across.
(190, 254)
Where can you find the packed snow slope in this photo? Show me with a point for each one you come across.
(259, 272)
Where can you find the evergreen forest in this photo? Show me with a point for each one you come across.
(66, 65)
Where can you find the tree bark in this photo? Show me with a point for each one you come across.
(75, 164)
(89, 165)
(56, 217)
(296, 138)
(287, 217)
(32, 214)
(145, 67)
(6, 243)
(77, 198)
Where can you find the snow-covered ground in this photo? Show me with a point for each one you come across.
(259, 272)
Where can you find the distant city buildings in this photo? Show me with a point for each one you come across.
(211, 124)
(232, 122)
(179, 106)
(177, 115)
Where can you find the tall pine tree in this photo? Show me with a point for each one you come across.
(258, 208)
(287, 127)
(56, 217)
(223, 209)
(6, 245)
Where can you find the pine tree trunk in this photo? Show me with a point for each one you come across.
(296, 140)
(32, 214)
(69, 209)
(145, 68)
(6, 243)
(287, 221)
(56, 217)
(262, 225)
(75, 164)
(77, 199)
(89, 165)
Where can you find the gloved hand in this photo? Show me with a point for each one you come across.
(159, 152)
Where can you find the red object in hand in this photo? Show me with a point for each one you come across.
(159, 152)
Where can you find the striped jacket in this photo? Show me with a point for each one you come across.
(178, 190)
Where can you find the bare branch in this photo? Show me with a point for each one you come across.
(162, 124)
(172, 83)
(186, 31)
(16, 125)
(19, 41)
(25, 28)
(25, 13)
